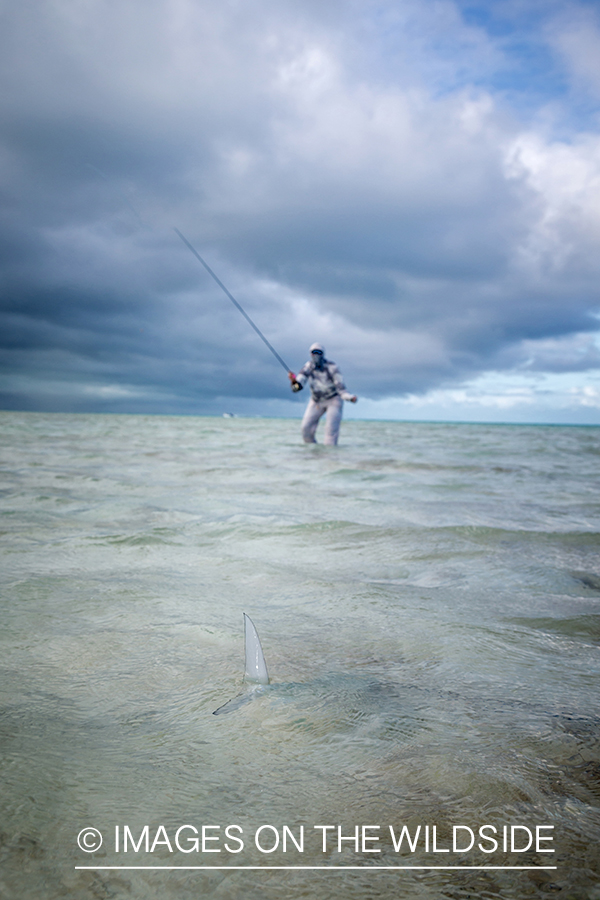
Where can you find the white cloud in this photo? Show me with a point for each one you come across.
(576, 35)
(565, 178)
(497, 397)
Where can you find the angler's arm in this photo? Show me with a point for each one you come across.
(298, 381)
(339, 383)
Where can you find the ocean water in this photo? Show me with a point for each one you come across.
(428, 599)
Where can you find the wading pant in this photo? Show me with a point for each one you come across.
(314, 411)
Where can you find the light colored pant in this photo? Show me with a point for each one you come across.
(314, 411)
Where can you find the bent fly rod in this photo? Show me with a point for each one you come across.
(233, 300)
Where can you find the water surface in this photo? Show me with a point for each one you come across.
(428, 598)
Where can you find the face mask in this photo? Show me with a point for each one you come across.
(317, 359)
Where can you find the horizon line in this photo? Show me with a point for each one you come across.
(348, 420)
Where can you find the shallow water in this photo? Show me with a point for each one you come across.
(428, 599)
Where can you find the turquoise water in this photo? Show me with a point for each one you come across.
(428, 599)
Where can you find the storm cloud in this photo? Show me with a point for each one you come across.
(415, 185)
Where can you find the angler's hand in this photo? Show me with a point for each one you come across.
(296, 386)
(353, 399)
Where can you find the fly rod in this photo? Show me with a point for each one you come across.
(233, 300)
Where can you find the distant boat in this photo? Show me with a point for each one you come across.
(229, 415)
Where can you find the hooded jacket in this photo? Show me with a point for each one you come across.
(325, 383)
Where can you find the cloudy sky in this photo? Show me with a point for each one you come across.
(414, 183)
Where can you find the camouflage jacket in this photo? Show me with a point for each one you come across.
(324, 383)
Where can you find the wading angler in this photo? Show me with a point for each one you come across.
(328, 392)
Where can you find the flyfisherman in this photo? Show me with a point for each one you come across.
(327, 390)
(326, 384)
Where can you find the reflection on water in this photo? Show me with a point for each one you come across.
(428, 599)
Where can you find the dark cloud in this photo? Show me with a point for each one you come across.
(353, 172)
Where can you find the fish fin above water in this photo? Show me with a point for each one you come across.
(256, 667)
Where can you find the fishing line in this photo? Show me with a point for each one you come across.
(233, 300)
